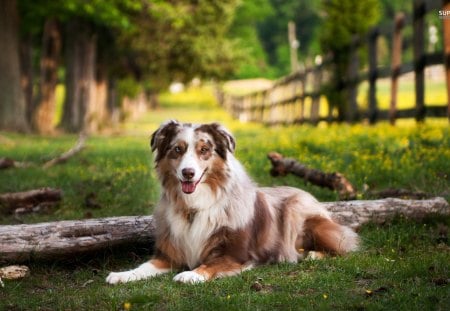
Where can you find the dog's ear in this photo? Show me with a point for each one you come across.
(161, 138)
(230, 141)
(223, 138)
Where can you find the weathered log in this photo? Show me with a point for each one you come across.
(399, 193)
(19, 243)
(6, 163)
(9, 163)
(28, 200)
(356, 213)
(281, 166)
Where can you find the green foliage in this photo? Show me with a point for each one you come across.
(345, 19)
(402, 265)
(342, 22)
(178, 41)
(152, 42)
(129, 87)
(274, 30)
(249, 14)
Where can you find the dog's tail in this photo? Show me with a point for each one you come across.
(323, 234)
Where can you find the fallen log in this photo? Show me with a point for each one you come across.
(63, 239)
(19, 243)
(10, 163)
(281, 166)
(356, 213)
(399, 193)
(27, 201)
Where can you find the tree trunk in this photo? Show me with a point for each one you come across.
(27, 75)
(51, 240)
(112, 103)
(12, 99)
(80, 76)
(99, 115)
(43, 115)
(154, 100)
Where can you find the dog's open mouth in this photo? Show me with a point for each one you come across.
(189, 186)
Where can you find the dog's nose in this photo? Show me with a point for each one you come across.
(188, 173)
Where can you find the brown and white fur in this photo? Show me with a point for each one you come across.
(213, 220)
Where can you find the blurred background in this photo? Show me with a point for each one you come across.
(353, 87)
(80, 65)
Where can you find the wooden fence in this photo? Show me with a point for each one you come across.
(296, 98)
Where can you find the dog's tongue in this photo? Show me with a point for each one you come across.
(188, 187)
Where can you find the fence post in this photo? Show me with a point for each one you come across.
(264, 99)
(315, 100)
(419, 57)
(303, 80)
(396, 60)
(373, 75)
(446, 23)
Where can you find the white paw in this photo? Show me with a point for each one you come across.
(189, 277)
(144, 271)
(121, 277)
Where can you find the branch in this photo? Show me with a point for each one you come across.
(10, 163)
(51, 240)
(68, 154)
(335, 181)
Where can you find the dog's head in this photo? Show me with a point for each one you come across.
(187, 155)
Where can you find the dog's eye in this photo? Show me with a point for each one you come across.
(177, 149)
(204, 150)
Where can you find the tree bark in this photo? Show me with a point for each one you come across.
(12, 99)
(43, 115)
(27, 75)
(80, 76)
(19, 243)
(98, 112)
(334, 181)
(356, 213)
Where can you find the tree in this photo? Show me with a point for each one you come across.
(244, 30)
(80, 75)
(12, 100)
(111, 49)
(344, 19)
(273, 31)
(44, 111)
(178, 41)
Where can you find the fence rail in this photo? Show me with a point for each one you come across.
(289, 98)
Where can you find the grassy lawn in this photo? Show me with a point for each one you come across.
(402, 265)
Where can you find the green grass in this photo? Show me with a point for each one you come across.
(403, 265)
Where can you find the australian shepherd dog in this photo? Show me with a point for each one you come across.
(213, 221)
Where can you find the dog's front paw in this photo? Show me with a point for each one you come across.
(121, 277)
(189, 277)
